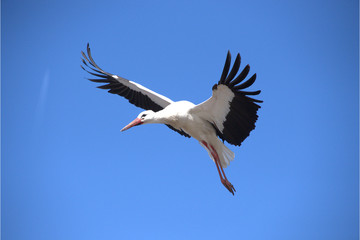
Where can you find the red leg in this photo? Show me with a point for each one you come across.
(212, 153)
(220, 169)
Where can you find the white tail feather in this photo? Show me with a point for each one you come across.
(228, 156)
(225, 154)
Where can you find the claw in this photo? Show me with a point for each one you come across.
(228, 186)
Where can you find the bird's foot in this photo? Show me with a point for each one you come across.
(228, 186)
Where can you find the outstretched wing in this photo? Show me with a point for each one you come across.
(230, 109)
(137, 94)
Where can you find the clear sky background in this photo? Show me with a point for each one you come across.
(67, 172)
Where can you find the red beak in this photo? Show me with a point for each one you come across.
(137, 121)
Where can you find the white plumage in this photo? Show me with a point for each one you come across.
(229, 114)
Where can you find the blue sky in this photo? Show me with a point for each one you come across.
(67, 172)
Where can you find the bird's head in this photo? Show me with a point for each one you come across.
(142, 118)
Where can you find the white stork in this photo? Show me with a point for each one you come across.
(229, 113)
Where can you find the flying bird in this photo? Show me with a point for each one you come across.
(228, 115)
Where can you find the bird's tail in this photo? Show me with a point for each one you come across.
(225, 154)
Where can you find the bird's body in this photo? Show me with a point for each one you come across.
(177, 114)
(183, 116)
(228, 115)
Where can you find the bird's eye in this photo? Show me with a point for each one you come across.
(143, 116)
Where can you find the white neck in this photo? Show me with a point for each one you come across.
(156, 117)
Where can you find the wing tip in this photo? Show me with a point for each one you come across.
(226, 67)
